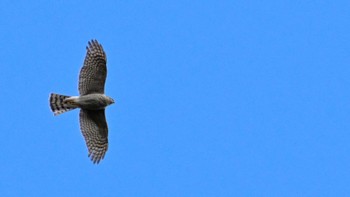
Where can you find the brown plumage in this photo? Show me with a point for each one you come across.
(91, 101)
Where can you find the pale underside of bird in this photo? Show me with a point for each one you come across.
(92, 101)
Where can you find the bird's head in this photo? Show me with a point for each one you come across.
(110, 101)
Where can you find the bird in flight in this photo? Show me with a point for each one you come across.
(92, 101)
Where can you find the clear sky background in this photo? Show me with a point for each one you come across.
(213, 98)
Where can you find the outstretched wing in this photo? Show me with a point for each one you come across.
(94, 127)
(93, 74)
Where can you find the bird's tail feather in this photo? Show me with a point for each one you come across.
(57, 104)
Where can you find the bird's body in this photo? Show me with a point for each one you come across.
(92, 101)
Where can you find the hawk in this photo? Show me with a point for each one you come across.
(92, 101)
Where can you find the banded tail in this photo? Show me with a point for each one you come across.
(57, 104)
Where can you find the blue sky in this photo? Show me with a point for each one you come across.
(213, 98)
